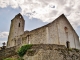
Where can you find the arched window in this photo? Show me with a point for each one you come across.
(66, 29)
(19, 24)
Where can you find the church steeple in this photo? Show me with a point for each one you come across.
(16, 29)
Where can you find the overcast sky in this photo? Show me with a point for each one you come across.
(37, 13)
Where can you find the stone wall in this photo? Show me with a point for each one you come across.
(16, 29)
(67, 33)
(8, 52)
(51, 52)
(57, 32)
(0, 48)
(43, 52)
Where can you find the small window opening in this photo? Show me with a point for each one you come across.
(15, 42)
(29, 42)
(68, 44)
(19, 24)
(66, 29)
(28, 39)
(20, 16)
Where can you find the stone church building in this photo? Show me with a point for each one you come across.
(58, 32)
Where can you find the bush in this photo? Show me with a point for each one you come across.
(23, 50)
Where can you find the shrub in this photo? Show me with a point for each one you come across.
(23, 50)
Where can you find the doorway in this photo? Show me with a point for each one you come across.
(68, 44)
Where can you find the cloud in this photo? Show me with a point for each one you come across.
(47, 10)
(3, 37)
(4, 34)
(4, 3)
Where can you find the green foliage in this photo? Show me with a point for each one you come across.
(76, 49)
(7, 59)
(70, 49)
(20, 58)
(10, 59)
(23, 50)
(13, 59)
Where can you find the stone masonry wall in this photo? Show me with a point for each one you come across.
(8, 52)
(57, 32)
(43, 52)
(51, 52)
(16, 29)
(67, 33)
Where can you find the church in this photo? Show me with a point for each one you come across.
(59, 32)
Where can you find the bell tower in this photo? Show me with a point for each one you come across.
(16, 28)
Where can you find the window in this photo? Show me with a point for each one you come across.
(20, 16)
(66, 29)
(19, 24)
(14, 42)
(28, 39)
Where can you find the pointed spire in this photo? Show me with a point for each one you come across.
(19, 15)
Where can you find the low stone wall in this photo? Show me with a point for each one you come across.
(51, 52)
(47, 46)
(11, 52)
(43, 52)
(8, 52)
